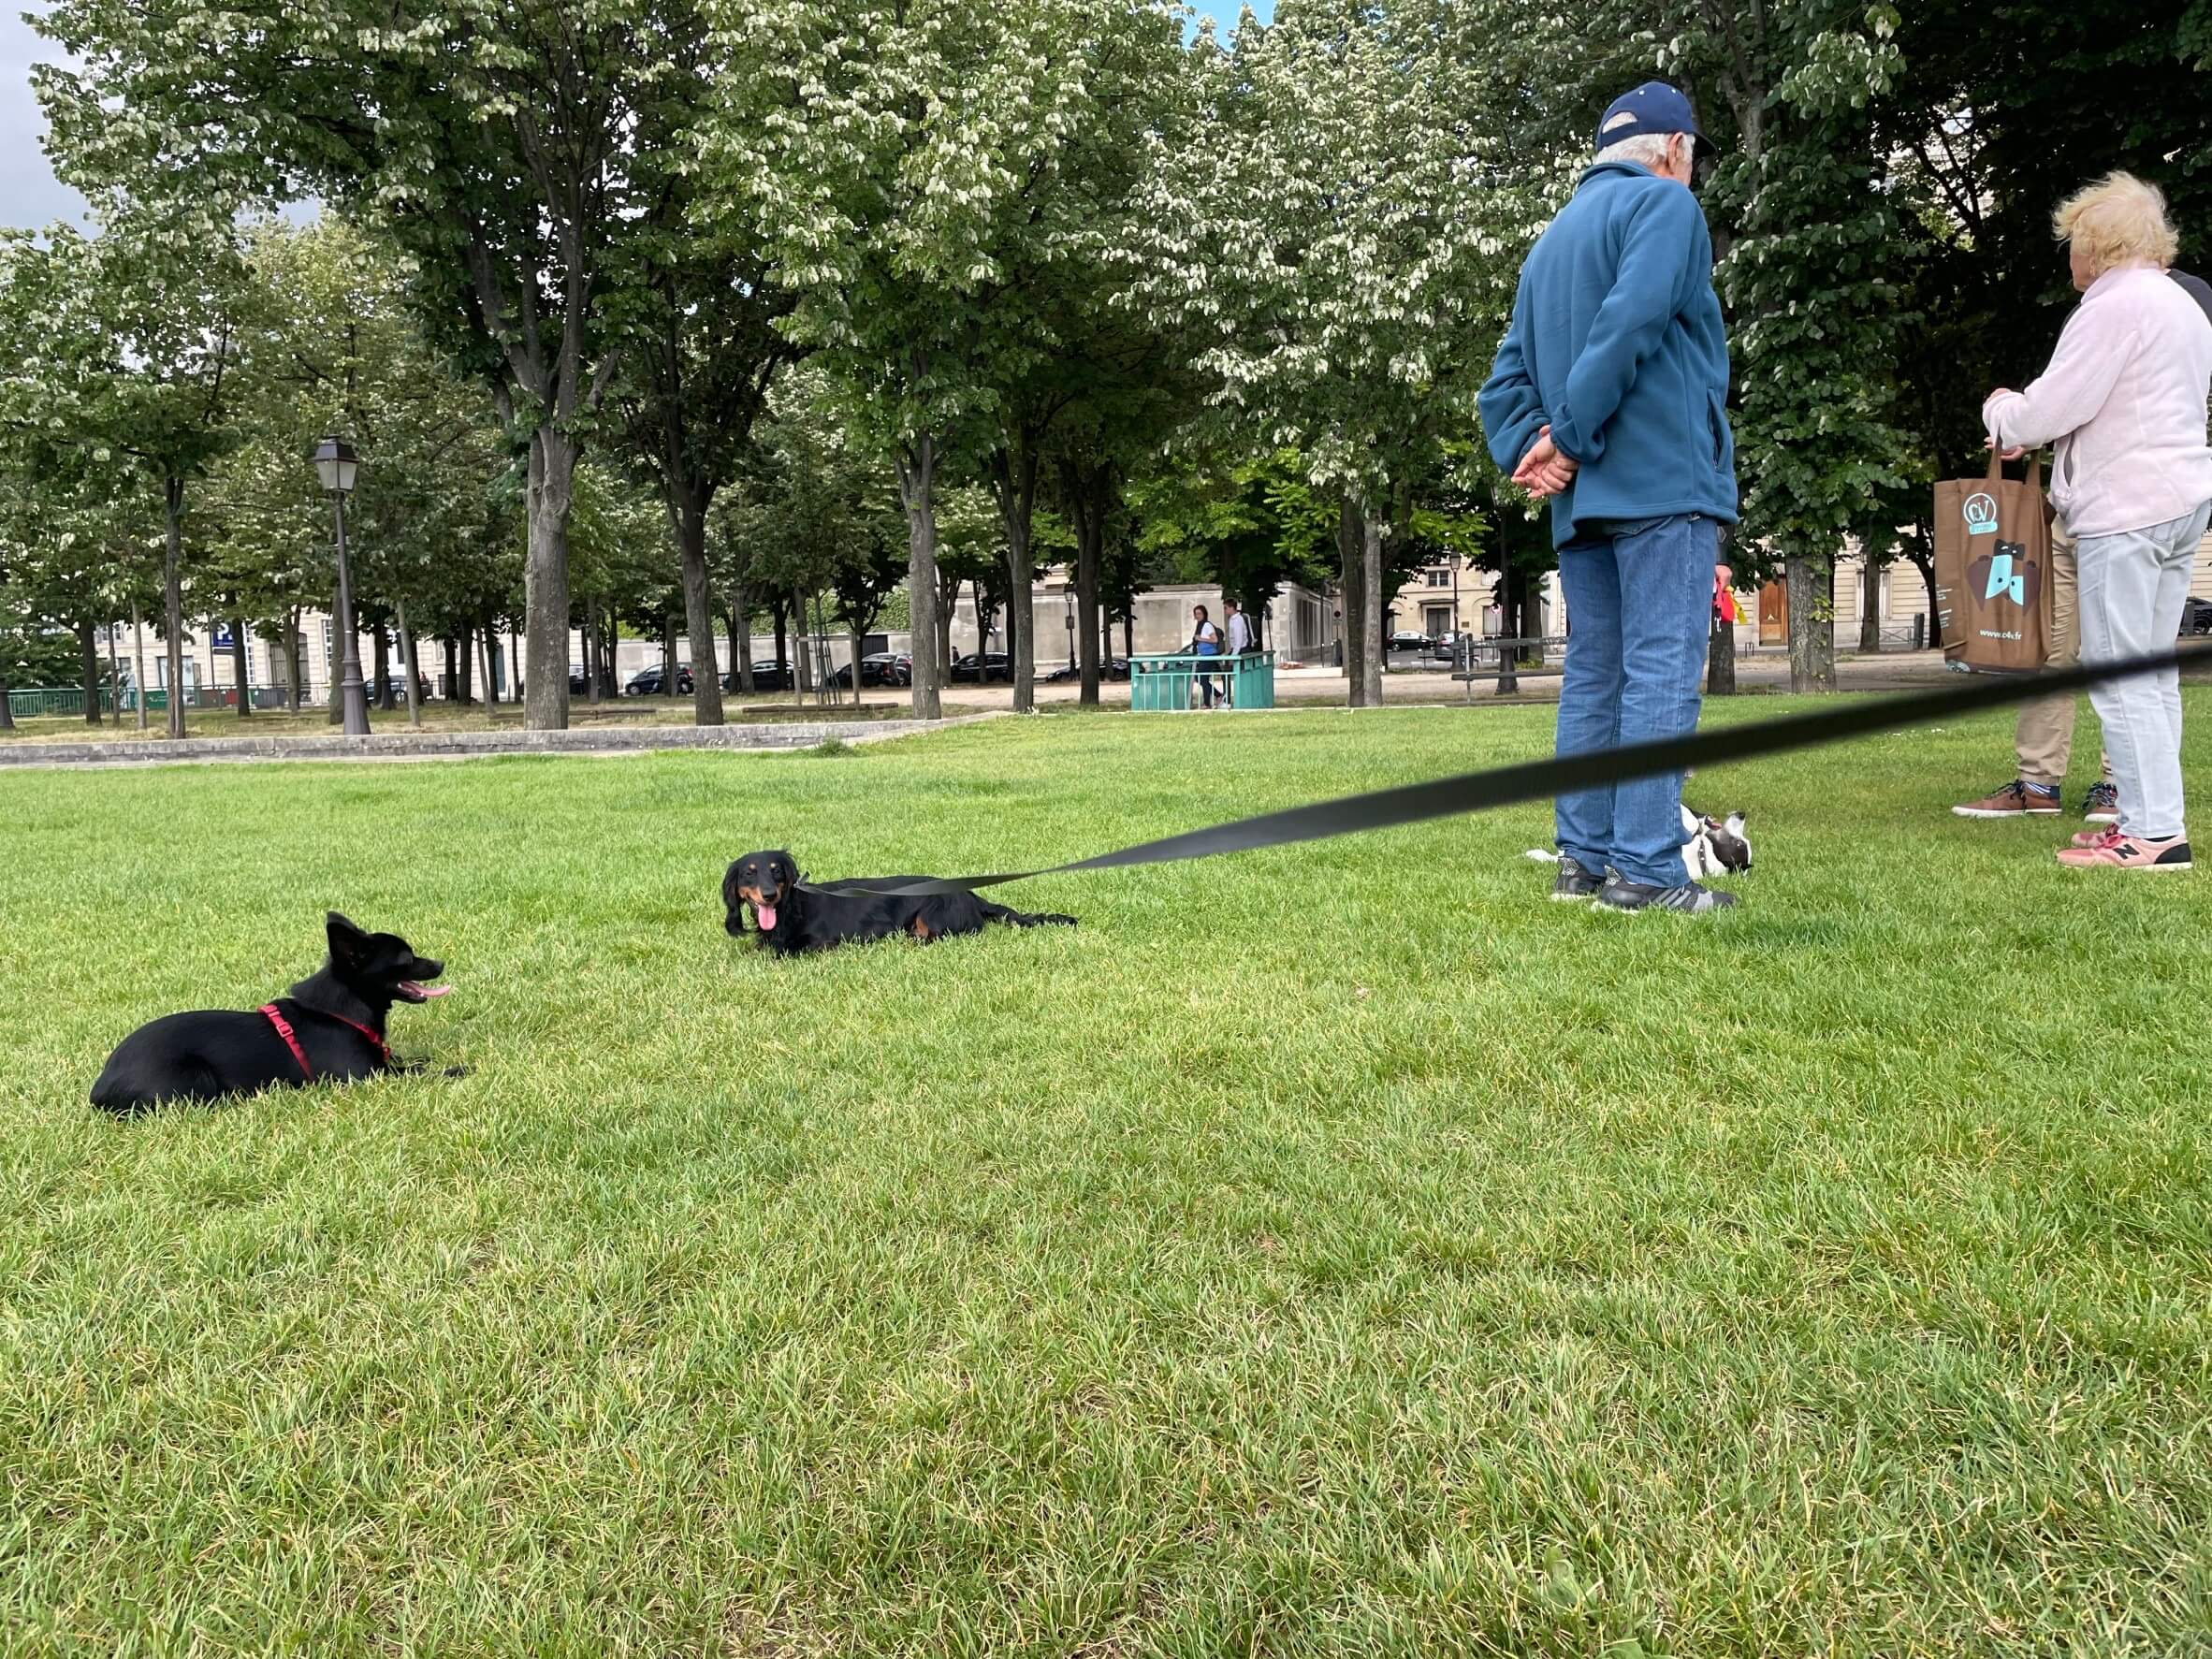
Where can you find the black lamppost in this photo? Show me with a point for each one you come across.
(1067, 594)
(337, 463)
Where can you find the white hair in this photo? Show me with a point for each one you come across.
(1645, 149)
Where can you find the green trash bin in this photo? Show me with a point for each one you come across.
(1167, 680)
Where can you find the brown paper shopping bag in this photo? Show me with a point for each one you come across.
(1993, 560)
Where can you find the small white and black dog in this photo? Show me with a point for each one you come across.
(1711, 847)
(1715, 848)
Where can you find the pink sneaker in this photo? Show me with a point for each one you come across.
(2098, 837)
(2129, 852)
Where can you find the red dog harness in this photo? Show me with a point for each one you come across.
(307, 1072)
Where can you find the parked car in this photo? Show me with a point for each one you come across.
(981, 667)
(646, 683)
(578, 685)
(877, 668)
(766, 677)
(2196, 616)
(1405, 640)
(1117, 669)
(398, 685)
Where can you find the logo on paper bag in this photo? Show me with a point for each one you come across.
(1981, 515)
(2004, 574)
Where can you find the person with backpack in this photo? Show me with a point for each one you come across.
(1205, 641)
(1240, 644)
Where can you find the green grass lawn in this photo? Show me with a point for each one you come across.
(1336, 1250)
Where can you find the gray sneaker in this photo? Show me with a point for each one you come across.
(2103, 806)
(1689, 899)
(1575, 883)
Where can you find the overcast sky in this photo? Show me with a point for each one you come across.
(31, 195)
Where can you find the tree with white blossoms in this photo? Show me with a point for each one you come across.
(917, 167)
(1337, 235)
(510, 151)
(130, 346)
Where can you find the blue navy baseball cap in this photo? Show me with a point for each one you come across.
(1652, 108)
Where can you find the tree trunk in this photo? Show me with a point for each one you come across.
(514, 660)
(1013, 479)
(802, 660)
(88, 650)
(1870, 607)
(1720, 660)
(786, 669)
(1352, 635)
(917, 494)
(7, 710)
(669, 678)
(1086, 494)
(610, 639)
(1812, 626)
(292, 660)
(466, 647)
(385, 700)
(544, 577)
(860, 641)
(172, 583)
(740, 638)
(1935, 614)
(1512, 617)
(407, 663)
(1371, 567)
(490, 648)
(706, 678)
(138, 653)
(238, 667)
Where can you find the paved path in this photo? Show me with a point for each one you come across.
(428, 743)
(1295, 688)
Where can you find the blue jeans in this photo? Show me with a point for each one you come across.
(1639, 610)
(2134, 587)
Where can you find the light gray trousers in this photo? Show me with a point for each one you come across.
(2133, 589)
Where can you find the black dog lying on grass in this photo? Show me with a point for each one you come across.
(329, 1026)
(796, 915)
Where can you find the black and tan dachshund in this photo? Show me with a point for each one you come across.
(330, 1026)
(795, 914)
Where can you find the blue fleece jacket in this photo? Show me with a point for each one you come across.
(1617, 344)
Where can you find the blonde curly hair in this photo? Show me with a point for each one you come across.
(2117, 220)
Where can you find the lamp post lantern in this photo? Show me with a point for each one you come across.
(337, 464)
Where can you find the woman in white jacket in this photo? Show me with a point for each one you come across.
(2125, 402)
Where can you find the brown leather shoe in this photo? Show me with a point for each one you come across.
(2017, 799)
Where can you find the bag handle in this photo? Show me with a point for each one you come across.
(2034, 478)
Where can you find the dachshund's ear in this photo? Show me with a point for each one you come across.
(733, 904)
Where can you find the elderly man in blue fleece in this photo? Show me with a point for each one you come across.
(1608, 396)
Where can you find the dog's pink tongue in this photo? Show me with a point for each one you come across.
(765, 916)
(426, 992)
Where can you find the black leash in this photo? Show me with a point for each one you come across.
(1538, 780)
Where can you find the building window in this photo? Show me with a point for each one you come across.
(1437, 578)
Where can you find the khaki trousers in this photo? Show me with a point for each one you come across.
(2044, 739)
